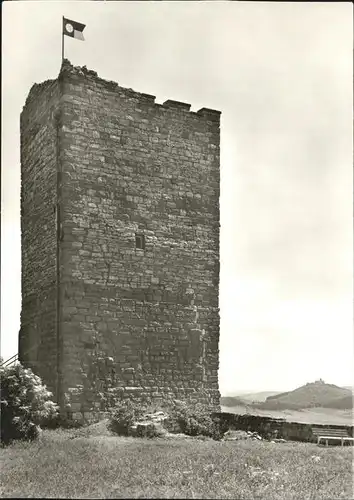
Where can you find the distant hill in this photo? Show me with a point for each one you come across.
(231, 401)
(258, 396)
(342, 403)
(312, 394)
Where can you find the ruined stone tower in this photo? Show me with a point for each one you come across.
(120, 243)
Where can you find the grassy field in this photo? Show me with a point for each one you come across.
(307, 416)
(99, 465)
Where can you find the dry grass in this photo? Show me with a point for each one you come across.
(103, 466)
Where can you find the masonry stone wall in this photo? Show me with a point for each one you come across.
(275, 427)
(133, 322)
(37, 339)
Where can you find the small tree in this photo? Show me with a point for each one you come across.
(195, 420)
(25, 403)
(123, 415)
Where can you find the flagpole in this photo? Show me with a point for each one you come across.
(62, 41)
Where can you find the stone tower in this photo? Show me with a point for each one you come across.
(120, 243)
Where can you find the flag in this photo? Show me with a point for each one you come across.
(73, 29)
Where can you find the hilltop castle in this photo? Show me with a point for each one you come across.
(120, 243)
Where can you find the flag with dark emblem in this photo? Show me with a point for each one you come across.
(73, 29)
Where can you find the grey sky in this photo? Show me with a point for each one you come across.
(281, 73)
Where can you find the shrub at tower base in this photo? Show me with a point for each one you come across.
(174, 416)
(25, 404)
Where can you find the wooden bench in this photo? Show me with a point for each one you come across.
(331, 433)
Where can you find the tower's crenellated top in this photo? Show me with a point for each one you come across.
(67, 70)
